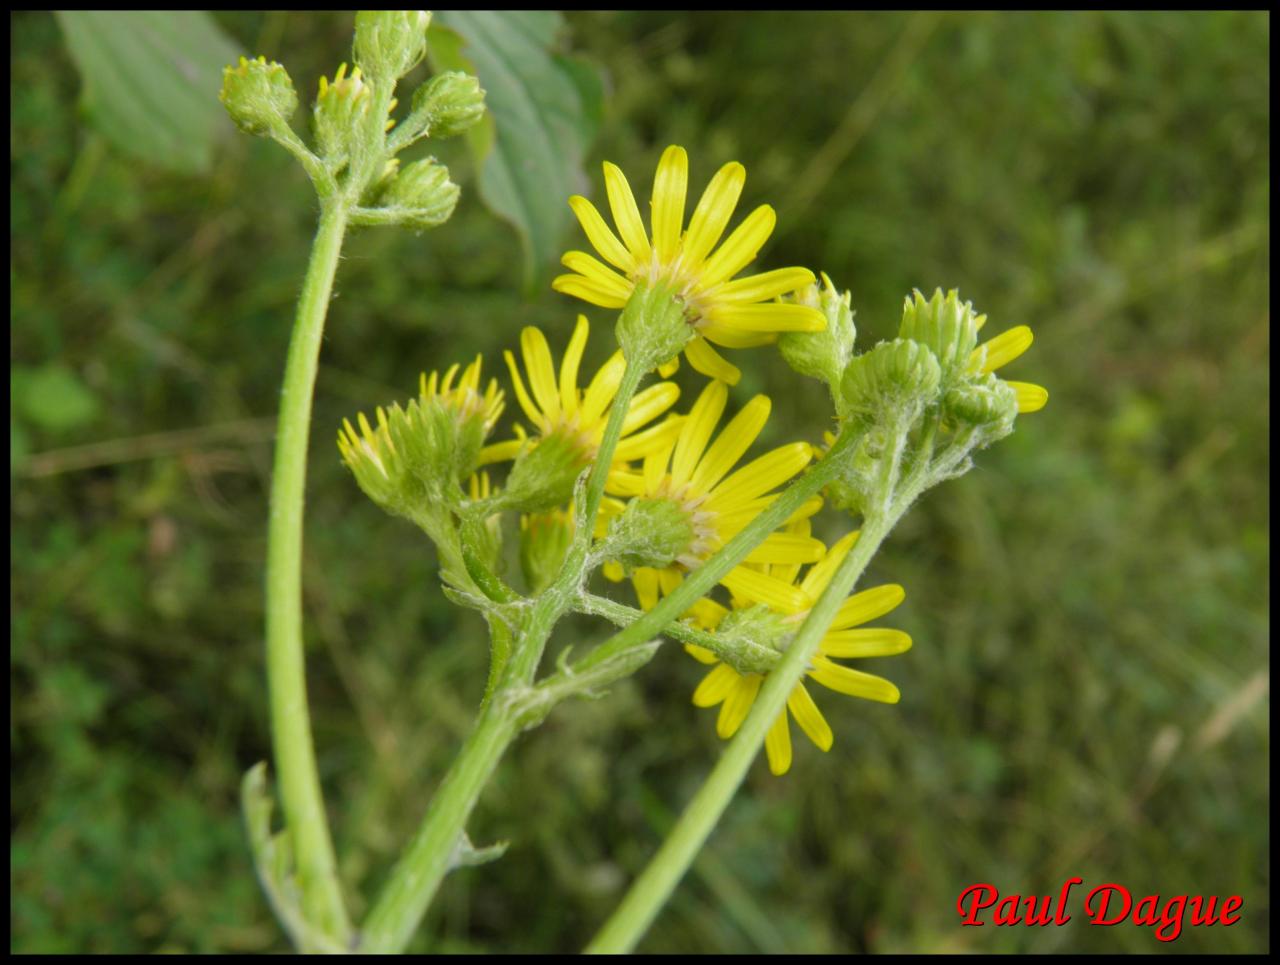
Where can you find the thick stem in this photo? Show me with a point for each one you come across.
(654, 886)
(286, 675)
(416, 877)
(418, 873)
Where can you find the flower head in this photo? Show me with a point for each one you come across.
(733, 313)
(735, 692)
(695, 474)
(998, 352)
(569, 422)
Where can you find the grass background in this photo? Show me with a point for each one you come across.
(1088, 692)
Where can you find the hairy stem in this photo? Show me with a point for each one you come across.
(651, 890)
(286, 674)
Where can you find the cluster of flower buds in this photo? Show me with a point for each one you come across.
(356, 138)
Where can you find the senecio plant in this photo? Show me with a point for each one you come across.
(606, 475)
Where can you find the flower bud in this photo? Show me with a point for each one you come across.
(339, 111)
(985, 403)
(544, 541)
(743, 631)
(449, 104)
(373, 458)
(390, 43)
(650, 532)
(421, 194)
(258, 95)
(543, 475)
(946, 325)
(822, 355)
(897, 374)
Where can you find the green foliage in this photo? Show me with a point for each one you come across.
(147, 76)
(545, 109)
(1087, 691)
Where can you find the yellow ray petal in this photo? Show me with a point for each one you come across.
(867, 605)
(597, 274)
(500, 451)
(777, 745)
(669, 368)
(530, 410)
(602, 389)
(762, 287)
(756, 586)
(649, 404)
(740, 248)
(1002, 349)
(601, 237)
(713, 212)
(709, 362)
(1031, 398)
(737, 704)
(855, 683)
(759, 476)
(645, 581)
(656, 438)
(769, 317)
(809, 718)
(701, 654)
(730, 337)
(542, 373)
(875, 642)
(569, 365)
(669, 186)
(697, 431)
(816, 580)
(716, 685)
(786, 548)
(577, 286)
(732, 443)
(625, 213)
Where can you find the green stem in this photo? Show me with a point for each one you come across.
(417, 875)
(286, 675)
(399, 908)
(654, 886)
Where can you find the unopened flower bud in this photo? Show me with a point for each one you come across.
(258, 95)
(543, 475)
(421, 194)
(947, 325)
(650, 532)
(339, 112)
(449, 104)
(898, 374)
(544, 541)
(822, 355)
(986, 403)
(390, 43)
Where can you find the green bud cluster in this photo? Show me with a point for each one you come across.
(390, 43)
(650, 532)
(898, 378)
(258, 95)
(822, 355)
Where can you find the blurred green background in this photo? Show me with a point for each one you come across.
(1088, 692)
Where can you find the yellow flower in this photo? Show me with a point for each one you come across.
(735, 692)
(560, 408)
(733, 313)
(1002, 350)
(719, 503)
(465, 397)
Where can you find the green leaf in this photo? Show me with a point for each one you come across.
(52, 397)
(151, 81)
(545, 110)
